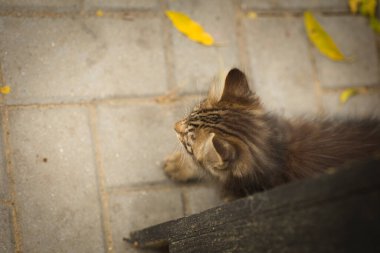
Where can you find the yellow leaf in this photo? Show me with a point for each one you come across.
(321, 39)
(252, 15)
(5, 89)
(354, 4)
(350, 92)
(99, 13)
(190, 28)
(368, 7)
(346, 94)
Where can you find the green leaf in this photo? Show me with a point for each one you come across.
(375, 24)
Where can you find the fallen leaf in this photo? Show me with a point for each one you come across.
(190, 28)
(321, 39)
(368, 7)
(375, 24)
(350, 92)
(170, 97)
(354, 5)
(346, 94)
(5, 89)
(252, 15)
(99, 13)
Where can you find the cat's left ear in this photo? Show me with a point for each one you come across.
(236, 88)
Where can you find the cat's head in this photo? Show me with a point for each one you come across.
(217, 132)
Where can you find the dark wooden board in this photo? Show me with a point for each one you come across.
(332, 213)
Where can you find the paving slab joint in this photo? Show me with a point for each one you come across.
(100, 175)
(11, 180)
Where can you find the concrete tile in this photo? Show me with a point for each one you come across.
(60, 60)
(6, 238)
(56, 189)
(196, 65)
(329, 5)
(202, 198)
(139, 210)
(356, 40)
(56, 5)
(120, 4)
(281, 67)
(360, 106)
(4, 193)
(135, 140)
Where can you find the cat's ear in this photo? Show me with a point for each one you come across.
(236, 88)
(218, 152)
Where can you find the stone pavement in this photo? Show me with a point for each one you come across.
(82, 134)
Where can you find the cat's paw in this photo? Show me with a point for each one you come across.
(178, 169)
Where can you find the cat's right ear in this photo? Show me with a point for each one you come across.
(236, 88)
(218, 152)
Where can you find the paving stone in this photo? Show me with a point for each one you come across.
(196, 65)
(56, 189)
(329, 5)
(201, 199)
(121, 4)
(135, 140)
(6, 238)
(281, 67)
(4, 194)
(360, 106)
(357, 41)
(59, 60)
(56, 5)
(139, 210)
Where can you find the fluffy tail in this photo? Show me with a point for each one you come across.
(314, 147)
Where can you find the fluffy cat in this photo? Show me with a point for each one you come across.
(246, 149)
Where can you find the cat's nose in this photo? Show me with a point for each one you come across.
(179, 127)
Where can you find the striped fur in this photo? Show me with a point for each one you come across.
(246, 149)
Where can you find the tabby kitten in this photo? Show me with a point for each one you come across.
(246, 149)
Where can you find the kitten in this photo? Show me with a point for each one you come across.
(246, 149)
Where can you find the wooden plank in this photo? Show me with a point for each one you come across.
(332, 213)
(151, 237)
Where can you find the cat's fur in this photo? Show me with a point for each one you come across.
(246, 149)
